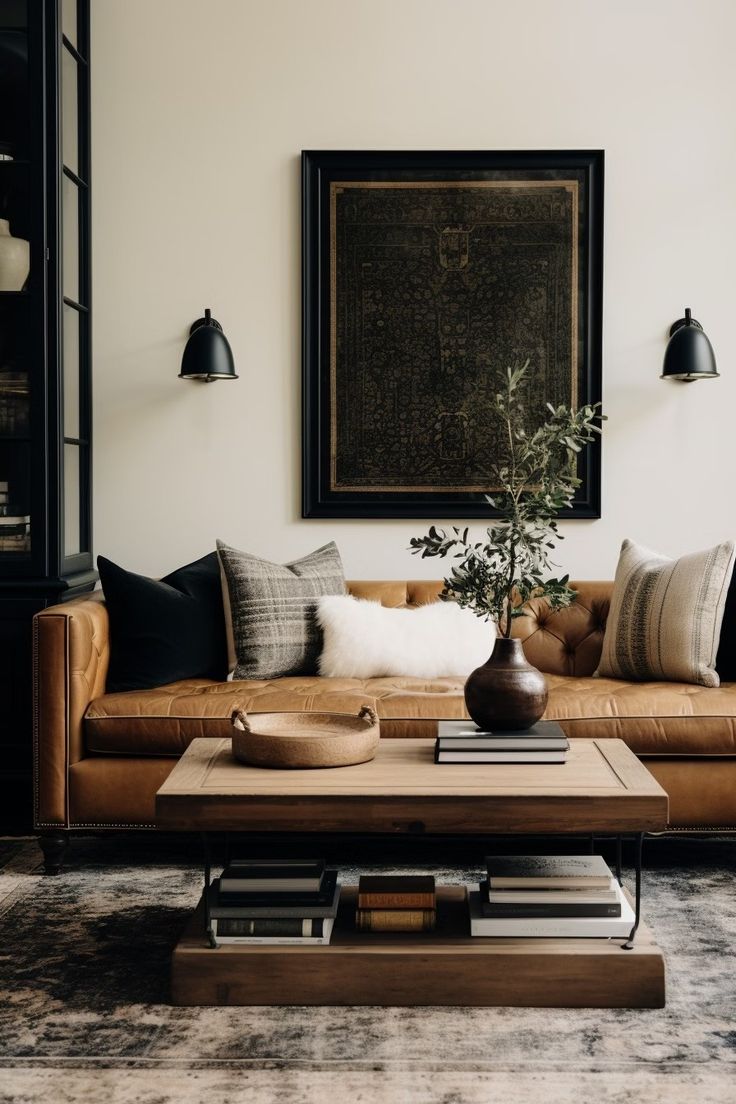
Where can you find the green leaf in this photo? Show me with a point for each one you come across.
(535, 473)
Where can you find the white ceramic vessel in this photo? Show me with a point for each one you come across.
(14, 259)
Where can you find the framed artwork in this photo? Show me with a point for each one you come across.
(425, 275)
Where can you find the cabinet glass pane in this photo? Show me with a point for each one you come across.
(15, 398)
(15, 498)
(14, 99)
(15, 403)
(13, 13)
(70, 322)
(69, 20)
(69, 111)
(71, 500)
(70, 212)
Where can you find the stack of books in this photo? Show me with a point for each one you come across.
(396, 903)
(550, 896)
(464, 742)
(15, 533)
(291, 901)
(15, 527)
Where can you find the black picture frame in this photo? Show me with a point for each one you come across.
(321, 170)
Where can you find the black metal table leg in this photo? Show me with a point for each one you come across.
(618, 859)
(639, 843)
(207, 876)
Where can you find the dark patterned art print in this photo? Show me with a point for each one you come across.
(425, 276)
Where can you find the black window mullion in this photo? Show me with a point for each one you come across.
(80, 179)
(79, 58)
(73, 177)
(85, 279)
(75, 305)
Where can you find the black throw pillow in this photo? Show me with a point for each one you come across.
(726, 657)
(164, 630)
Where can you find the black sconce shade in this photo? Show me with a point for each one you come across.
(689, 354)
(207, 354)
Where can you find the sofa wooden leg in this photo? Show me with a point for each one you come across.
(53, 845)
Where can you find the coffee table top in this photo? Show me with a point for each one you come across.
(602, 787)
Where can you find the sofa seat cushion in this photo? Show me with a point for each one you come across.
(654, 718)
(165, 720)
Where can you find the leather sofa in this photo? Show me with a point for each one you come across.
(99, 758)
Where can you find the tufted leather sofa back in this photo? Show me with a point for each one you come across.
(567, 642)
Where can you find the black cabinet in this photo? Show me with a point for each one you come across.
(45, 350)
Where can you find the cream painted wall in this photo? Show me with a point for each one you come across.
(200, 110)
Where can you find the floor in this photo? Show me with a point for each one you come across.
(85, 1014)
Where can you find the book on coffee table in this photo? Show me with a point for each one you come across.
(323, 896)
(548, 902)
(396, 903)
(550, 927)
(268, 876)
(548, 872)
(464, 742)
(251, 906)
(395, 920)
(468, 755)
(530, 896)
(544, 735)
(273, 931)
(396, 891)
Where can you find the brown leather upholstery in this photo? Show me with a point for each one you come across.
(100, 757)
(165, 720)
(701, 791)
(119, 793)
(71, 655)
(115, 793)
(567, 642)
(664, 718)
(397, 594)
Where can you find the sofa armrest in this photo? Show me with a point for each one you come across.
(70, 660)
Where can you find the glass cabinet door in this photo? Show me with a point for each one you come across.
(74, 346)
(15, 355)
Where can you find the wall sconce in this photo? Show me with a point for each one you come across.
(207, 354)
(689, 354)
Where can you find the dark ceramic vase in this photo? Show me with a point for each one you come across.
(506, 692)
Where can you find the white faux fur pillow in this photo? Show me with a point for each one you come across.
(363, 639)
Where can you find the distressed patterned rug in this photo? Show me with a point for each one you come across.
(85, 1013)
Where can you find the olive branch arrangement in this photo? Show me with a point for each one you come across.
(536, 477)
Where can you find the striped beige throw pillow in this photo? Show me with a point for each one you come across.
(665, 618)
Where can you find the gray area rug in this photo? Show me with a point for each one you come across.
(85, 1014)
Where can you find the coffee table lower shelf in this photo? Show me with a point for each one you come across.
(445, 967)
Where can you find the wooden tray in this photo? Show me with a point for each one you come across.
(299, 741)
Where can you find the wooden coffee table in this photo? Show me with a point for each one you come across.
(602, 789)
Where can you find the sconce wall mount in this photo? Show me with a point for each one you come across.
(689, 354)
(207, 355)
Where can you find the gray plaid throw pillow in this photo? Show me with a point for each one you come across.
(273, 610)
